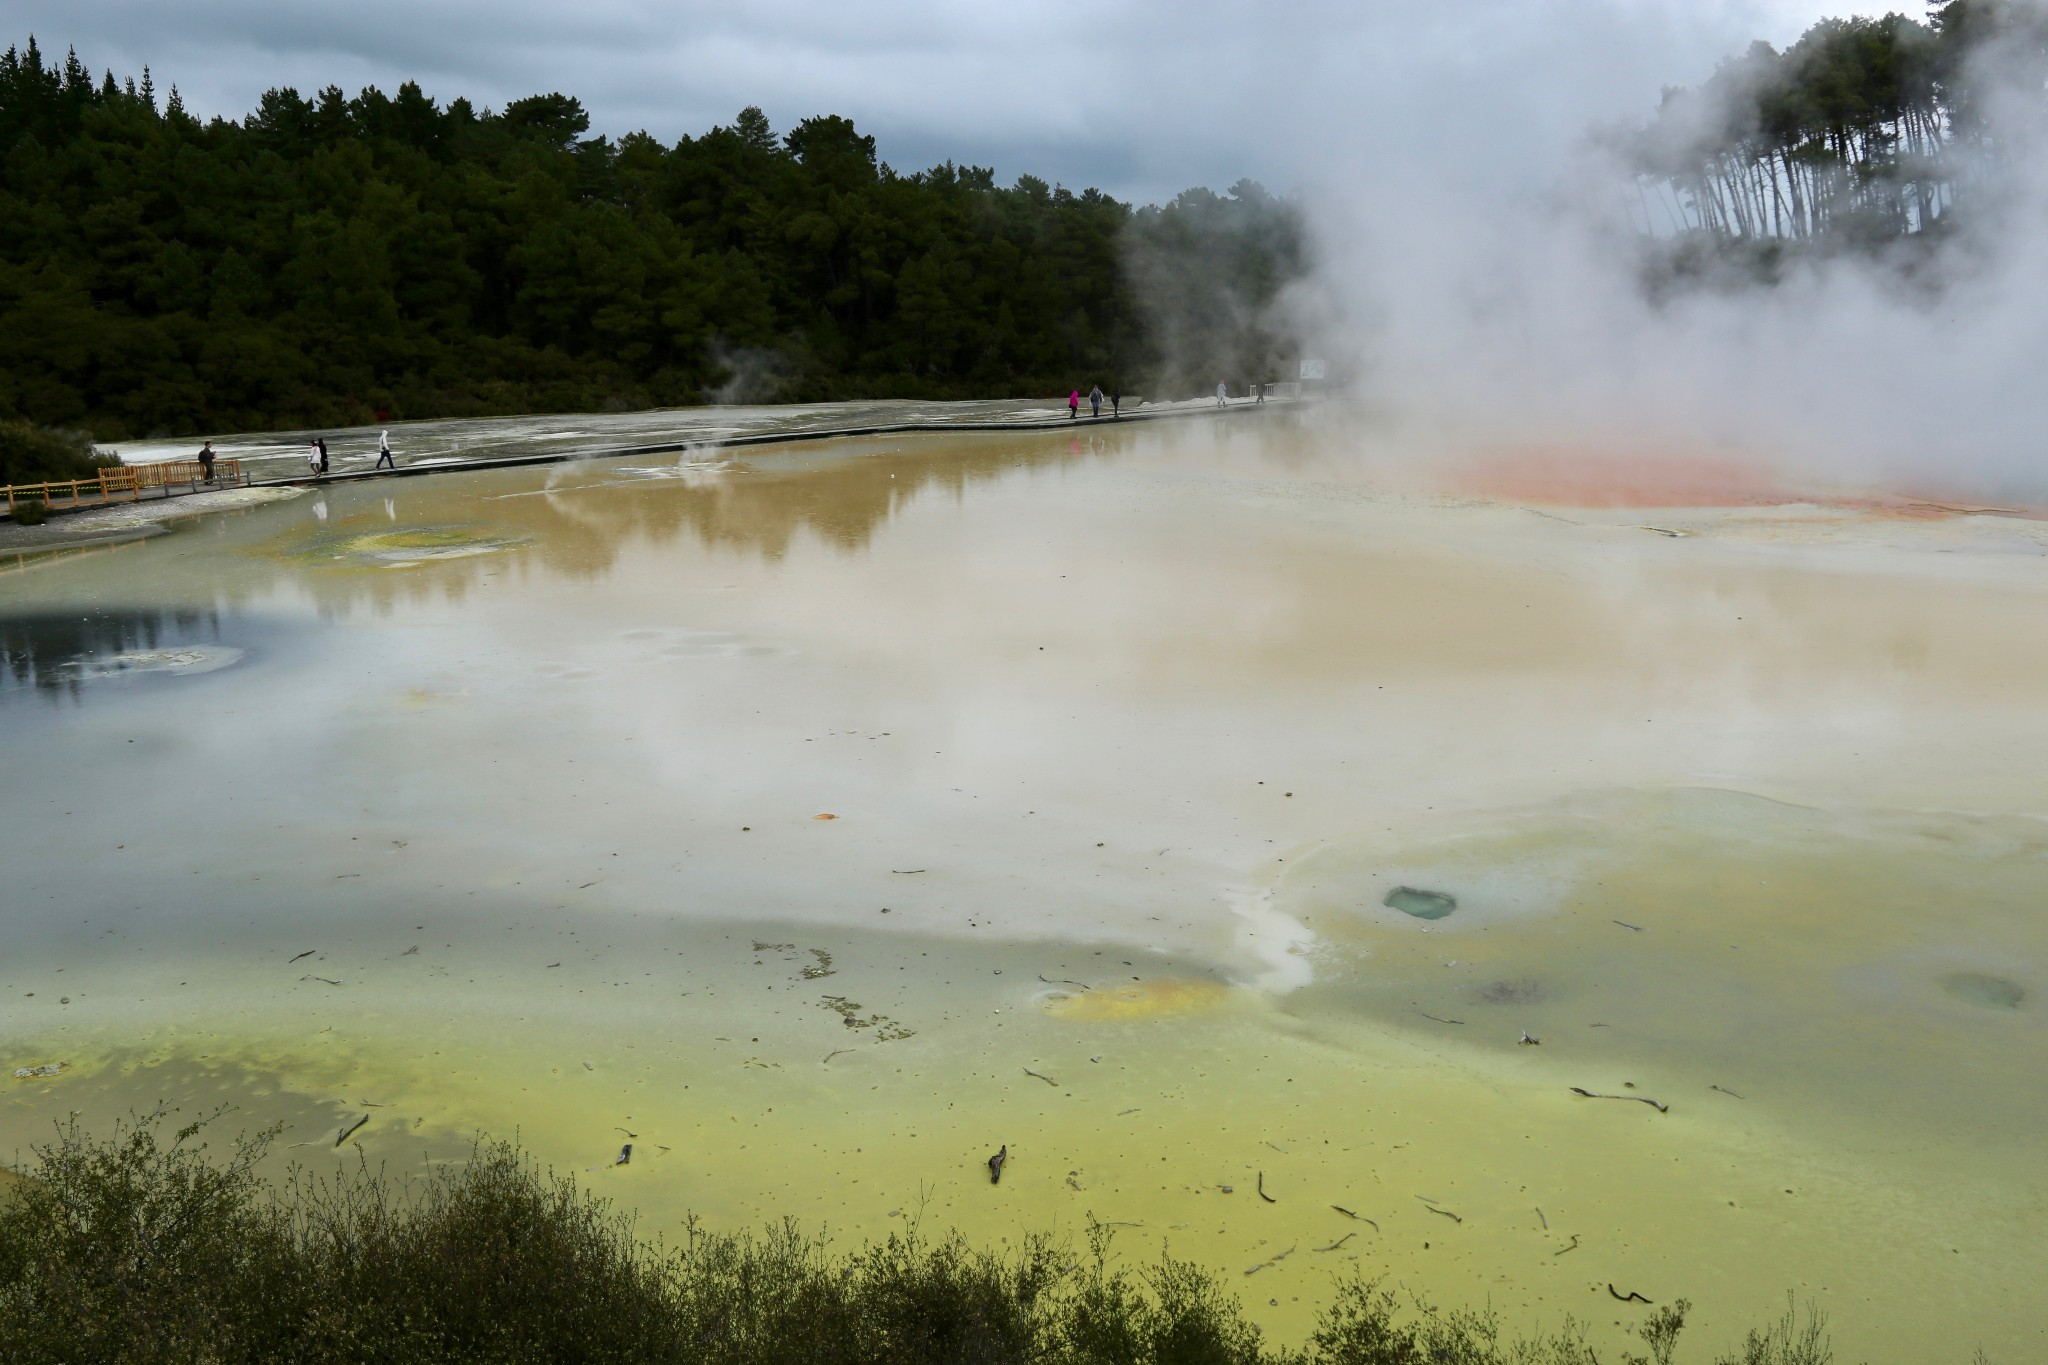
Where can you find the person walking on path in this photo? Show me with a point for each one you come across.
(1074, 405)
(1095, 402)
(313, 459)
(206, 461)
(384, 451)
(1116, 403)
(1222, 395)
(322, 443)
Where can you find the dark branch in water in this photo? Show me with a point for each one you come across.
(1657, 1105)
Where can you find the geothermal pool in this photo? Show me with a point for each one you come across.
(821, 820)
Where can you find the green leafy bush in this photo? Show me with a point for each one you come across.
(31, 512)
(145, 1249)
(33, 454)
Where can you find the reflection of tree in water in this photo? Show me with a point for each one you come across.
(840, 500)
(42, 650)
(578, 527)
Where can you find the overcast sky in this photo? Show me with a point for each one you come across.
(1139, 97)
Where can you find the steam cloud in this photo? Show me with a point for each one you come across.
(1480, 266)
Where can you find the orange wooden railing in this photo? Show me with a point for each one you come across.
(129, 479)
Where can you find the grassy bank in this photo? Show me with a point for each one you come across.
(146, 1246)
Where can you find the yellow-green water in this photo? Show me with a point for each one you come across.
(1128, 737)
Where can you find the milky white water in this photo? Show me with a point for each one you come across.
(1127, 737)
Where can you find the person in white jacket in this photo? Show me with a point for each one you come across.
(384, 451)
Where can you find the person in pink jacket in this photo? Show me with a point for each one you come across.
(1074, 406)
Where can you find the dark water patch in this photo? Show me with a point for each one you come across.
(1982, 988)
(1516, 991)
(60, 655)
(1410, 900)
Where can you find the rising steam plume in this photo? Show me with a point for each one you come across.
(1487, 274)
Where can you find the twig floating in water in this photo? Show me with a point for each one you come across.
(1545, 1221)
(1272, 1260)
(1059, 981)
(350, 1129)
(1339, 1242)
(1047, 1079)
(1446, 1213)
(1438, 1017)
(1573, 1247)
(1630, 1297)
(1094, 1222)
(1528, 1039)
(1626, 925)
(308, 953)
(1657, 1105)
(830, 1055)
(1262, 1190)
(1121, 1112)
(1724, 1090)
(906, 871)
(1358, 1217)
(328, 979)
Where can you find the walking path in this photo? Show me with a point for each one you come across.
(277, 460)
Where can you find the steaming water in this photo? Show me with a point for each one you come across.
(1127, 739)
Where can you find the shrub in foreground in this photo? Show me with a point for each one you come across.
(143, 1247)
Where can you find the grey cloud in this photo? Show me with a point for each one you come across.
(1140, 97)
